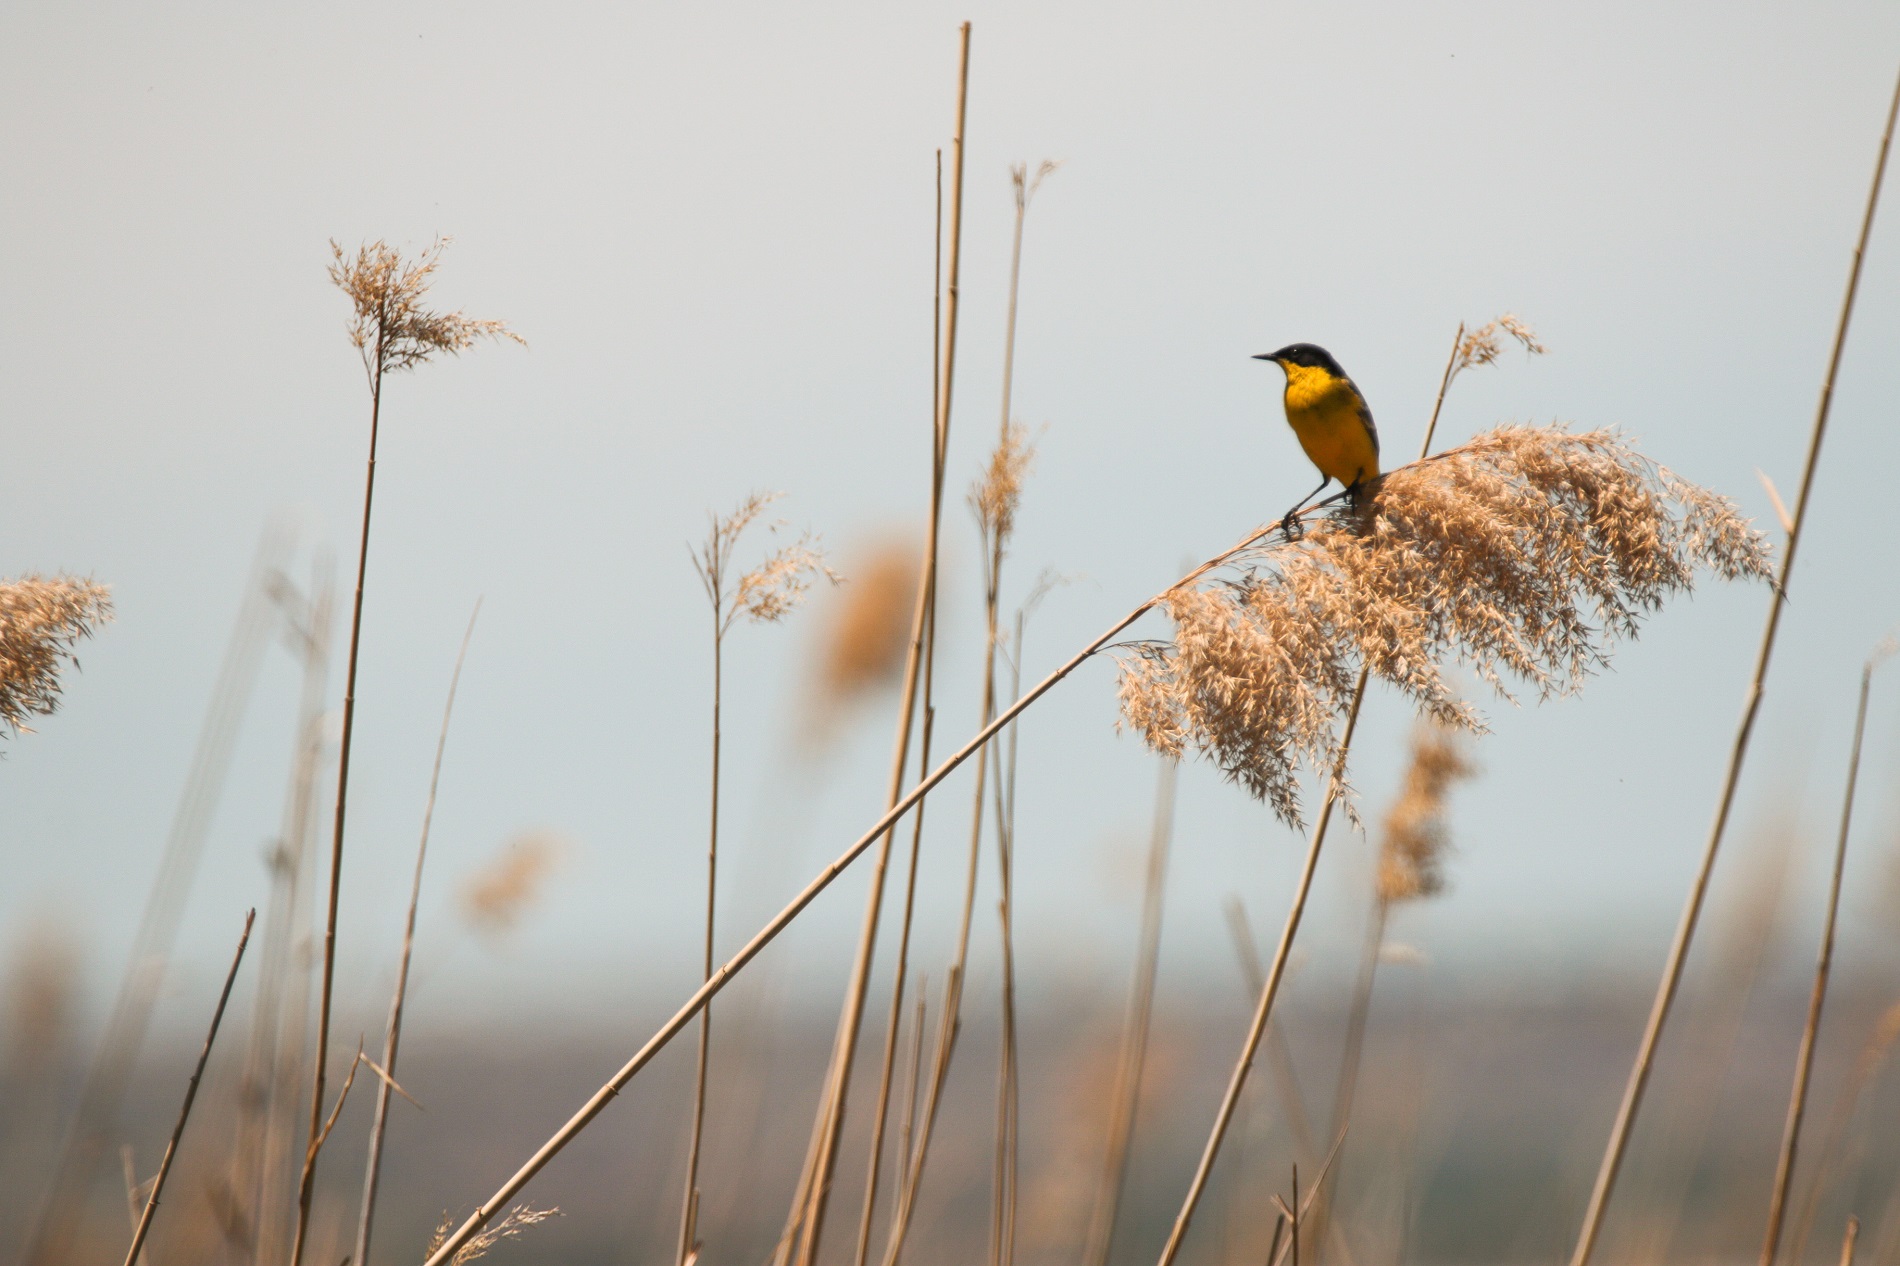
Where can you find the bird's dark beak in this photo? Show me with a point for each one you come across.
(1267, 356)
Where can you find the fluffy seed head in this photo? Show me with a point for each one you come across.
(41, 619)
(772, 590)
(996, 496)
(1523, 555)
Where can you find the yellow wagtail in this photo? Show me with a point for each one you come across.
(1330, 418)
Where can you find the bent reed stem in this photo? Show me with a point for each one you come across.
(1692, 909)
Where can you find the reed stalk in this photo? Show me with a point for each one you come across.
(1125, 1099)
(392, 332)
(1804, 1059)
(996, 512)
(306, 1182)
(392, 1035)
(874, 1165)
(1276, 971)
(1692, 909)
(191, 1093)
(852, 1019)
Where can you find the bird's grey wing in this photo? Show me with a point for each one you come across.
(1365, 415)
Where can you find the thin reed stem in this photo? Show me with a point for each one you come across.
(852, 1018)
(723, 976)
(1692, 910)
(874, 1166)
(191, 1093)
(1237, 1080)
(306, 1183)
(1849, 1239)
(392, 1035)
(1804, 1060)
(1354, 1052)
(1126, 1097)
(689, 1198)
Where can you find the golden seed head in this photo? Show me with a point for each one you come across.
(389, 326)
(1523, 554)
(497, 895)
(41, 619)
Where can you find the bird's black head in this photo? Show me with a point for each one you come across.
(1309, 355)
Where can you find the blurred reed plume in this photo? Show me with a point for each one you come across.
(41, 619)
(1524, 553)
(41, 992)
(863, 647)
(495, 897)
(1411, 856)
(390, 326)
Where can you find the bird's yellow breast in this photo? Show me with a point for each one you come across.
(1328, 417)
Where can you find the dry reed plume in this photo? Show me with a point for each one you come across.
(1411, 856)
(495, 897)
(390, 327)
(41, 619)
(1523, 554)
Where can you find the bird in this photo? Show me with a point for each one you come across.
(1330, 417)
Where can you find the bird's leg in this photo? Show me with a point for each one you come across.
(1291, 525)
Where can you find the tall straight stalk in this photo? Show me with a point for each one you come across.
(875, 1166)
(1134, 1050)
(191, 1093)
(1685, 930)
(392, 1034)
(599, 1100)
(306, 1184)
(1237, 1081)
(1804, 1060)
(853, 1017)
(689, 1198)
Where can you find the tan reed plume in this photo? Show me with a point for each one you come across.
(1411, 854)
(41, 619)
(1523, 554)
(390, 327)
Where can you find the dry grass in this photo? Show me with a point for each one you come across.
(1523, 555)
(42, 618)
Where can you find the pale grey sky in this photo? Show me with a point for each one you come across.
(712, 224)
